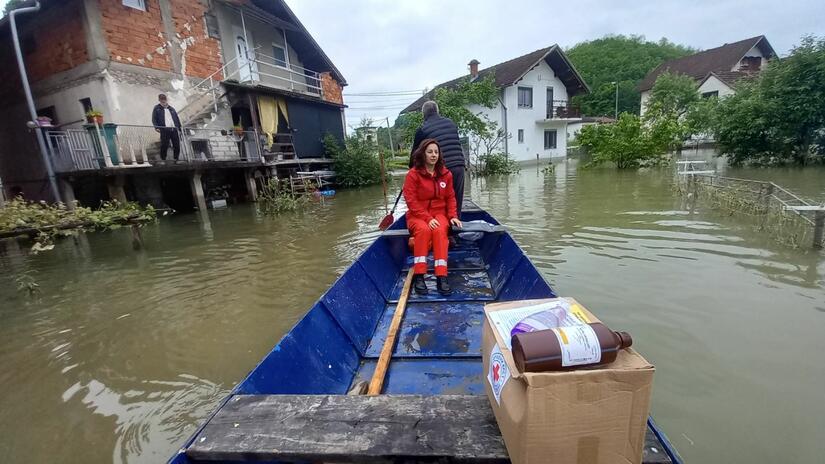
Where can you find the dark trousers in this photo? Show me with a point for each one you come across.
(458, 186)
(169, 134)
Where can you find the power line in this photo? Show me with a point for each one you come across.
(389, 93)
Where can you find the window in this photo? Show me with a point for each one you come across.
(751, 63)
(86, 103)
(715, 93)
(48, 112)
(212, 29)
(525, 97)
(550, 139)
(521, 136)
(279, 54)
(136, 4)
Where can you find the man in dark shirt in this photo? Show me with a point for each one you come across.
(166, 122)
(445, 132)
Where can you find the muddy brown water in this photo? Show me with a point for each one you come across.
(122, 353)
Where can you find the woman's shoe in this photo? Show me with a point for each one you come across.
(419, 285)
(442, 286)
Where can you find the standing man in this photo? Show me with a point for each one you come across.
(445, 132)
(166, 122)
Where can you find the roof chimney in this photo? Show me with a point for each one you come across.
(474, 68)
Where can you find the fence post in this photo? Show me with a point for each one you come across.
(819, 228)
(768, 195)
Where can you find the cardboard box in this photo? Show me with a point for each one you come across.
(584, 416)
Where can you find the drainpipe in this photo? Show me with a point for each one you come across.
(28, 91)
(506, 134)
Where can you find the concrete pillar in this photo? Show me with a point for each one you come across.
(197, 191)
(116, 191)
(251, 187)
(67, 192)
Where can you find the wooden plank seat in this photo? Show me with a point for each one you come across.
(343, 429)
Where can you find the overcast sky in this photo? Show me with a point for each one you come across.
(409, 45)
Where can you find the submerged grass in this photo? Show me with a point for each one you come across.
(762, 209)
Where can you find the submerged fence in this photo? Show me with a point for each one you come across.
(776, 210)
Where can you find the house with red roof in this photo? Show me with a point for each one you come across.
(718, 70)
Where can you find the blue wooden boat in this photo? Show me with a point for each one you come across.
(436, 362)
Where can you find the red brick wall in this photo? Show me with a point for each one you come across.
(132, 35)
(331, 89)
(59, 42)
(203, 54)
(138, 37)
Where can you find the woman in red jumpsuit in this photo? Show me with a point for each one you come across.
(431, 208)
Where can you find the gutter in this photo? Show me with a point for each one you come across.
(29, 100)
(506, 133)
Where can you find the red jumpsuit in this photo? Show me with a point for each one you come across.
(429, 197)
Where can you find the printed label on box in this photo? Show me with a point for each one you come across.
(498, 374)
(579, 345)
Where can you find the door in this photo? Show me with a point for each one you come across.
(247, 67)
(549, 114)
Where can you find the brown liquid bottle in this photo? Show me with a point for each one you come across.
(566, 348)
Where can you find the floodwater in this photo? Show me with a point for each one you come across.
(121, 353)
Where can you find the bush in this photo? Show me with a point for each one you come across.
(496, 163)
(276, 197)
(627, 143)
(51, 221)
(356, 163)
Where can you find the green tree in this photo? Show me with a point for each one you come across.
(628, 143)
(672, 98)
(622, 59)
(356, 162)
(780, 117)
(14, 4)
(452, 103)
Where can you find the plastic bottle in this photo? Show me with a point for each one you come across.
(565, 348)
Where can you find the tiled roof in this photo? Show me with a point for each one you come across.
(699, 65)
(508, 72)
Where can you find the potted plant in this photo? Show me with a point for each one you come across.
(94, 116)
(238, 129)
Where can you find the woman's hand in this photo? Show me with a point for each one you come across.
(434, 223)
(456, 222)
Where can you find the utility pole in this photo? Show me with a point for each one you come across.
(389, 132)
(616, 111)
(28, 91)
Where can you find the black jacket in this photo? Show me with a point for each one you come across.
(445, 132)
(158, 119)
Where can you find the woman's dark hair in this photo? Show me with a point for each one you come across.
(419, 155)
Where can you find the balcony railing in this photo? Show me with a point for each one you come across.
(131, 146)
(562, 109)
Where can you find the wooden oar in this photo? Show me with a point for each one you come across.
(377, 382)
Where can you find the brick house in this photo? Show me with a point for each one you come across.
(255, 93)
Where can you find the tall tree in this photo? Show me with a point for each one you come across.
(780, 117)
(622, 59)
(452, 103)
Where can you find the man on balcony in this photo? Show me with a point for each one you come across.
(166, 122)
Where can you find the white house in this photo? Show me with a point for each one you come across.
(533, 107)
(575, 127)
(717, 70)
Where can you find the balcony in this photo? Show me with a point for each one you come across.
(113, 146)
(268, 71)
(561, 110)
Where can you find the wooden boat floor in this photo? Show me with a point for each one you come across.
(340, 428)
